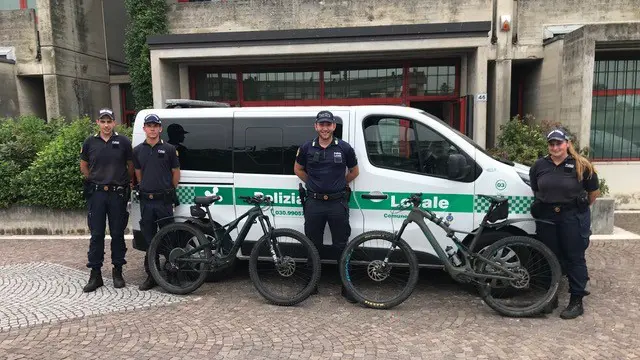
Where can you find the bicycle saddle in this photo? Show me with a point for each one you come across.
(494, 199)
(206, 200)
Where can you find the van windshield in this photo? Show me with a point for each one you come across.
(468, 139)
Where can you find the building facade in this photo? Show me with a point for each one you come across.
(473, 63)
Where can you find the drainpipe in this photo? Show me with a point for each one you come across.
(104, 29)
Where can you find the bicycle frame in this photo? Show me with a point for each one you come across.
(253, 214)
(418, 215)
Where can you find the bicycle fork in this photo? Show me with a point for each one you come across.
(268, 231)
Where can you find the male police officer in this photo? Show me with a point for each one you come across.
(106, 164)
(158, 173)
(322, 164)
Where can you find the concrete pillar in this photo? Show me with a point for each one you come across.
(185, 92)
(501, 91)
(477, 84)
(51, 97)
(165, 81)
(116, 102)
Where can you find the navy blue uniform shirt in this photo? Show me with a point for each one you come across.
(156, 163)
(107, 159)
(326, 168)
(559, 184)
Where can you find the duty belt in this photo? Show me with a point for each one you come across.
(108, 188)
(155, 195)
(558, 208)
(326, 197)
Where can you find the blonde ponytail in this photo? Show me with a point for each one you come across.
(582, 163)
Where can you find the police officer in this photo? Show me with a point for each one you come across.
(106, 164)
(158, 172)
(565, 185)
(327, 165)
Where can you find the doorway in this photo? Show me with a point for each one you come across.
(448, 111)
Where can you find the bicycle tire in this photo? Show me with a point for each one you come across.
(403, 246)
(315, 269)
(554, 264)
(153, 253)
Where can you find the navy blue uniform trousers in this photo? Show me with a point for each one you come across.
(150, 212)
(103, 205)
(317, 213)
(568, 238)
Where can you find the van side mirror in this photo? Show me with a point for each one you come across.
(457, 167)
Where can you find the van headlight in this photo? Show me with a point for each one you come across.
(525, 178)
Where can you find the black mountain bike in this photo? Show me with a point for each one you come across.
(516, 276)
(284, 265)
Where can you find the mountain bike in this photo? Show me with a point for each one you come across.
(284, 264)
(516, 276)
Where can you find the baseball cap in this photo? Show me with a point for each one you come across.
(106, 112)
(557, 134)
(325, 116)
(152, 118)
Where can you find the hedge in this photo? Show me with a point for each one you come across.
(40, 161)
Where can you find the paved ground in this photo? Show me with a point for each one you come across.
(44, 314)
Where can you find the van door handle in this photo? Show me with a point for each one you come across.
(375, 195)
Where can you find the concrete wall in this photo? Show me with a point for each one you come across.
(532, 15)
(622, 188)
(247, 15)
(18, 30)
(116, 18)
(542, 94)
(31, 96)
(76, 80)
(8, 92)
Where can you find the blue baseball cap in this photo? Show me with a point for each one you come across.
(325, 116)
(152, 118)
(557, 134)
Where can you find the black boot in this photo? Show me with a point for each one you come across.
(118, 280)
(148, 284)
(95, 281)
(347, 295)
(551, 306)
(574, 309)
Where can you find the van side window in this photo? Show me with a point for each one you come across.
(202, 144)
(269, 145)
(407, 145)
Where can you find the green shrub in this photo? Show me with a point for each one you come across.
(523, 140)
(8, 171)
(54, 180)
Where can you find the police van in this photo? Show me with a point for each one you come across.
(233, 152)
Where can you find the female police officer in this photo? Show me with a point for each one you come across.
(565, 184)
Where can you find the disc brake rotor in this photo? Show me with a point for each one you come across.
(378, 270)
(286, 267)
(509, 259)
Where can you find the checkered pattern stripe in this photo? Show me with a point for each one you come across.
(186, 194)
(517, 204)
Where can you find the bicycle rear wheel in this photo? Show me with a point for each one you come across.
(372, 281)
(291, 278)
(164, 255)
(540, 276)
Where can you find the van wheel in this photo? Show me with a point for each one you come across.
(483, 244)
(227, 244)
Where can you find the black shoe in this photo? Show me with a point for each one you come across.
(551, 306)
(118, 280)
(574, 309)
(95, 281)
(347, 295)
(147, 284)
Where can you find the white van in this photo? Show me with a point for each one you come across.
(234, 152)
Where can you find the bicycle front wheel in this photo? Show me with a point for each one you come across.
(373, 279)
(169, 267)
(291, 276)
(538, 276)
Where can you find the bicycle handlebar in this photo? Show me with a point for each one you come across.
(255, 200)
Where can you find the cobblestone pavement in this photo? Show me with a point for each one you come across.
(230, 320)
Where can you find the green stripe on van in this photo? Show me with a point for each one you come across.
(459, 203)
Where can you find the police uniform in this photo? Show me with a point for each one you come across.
(156, 192)
(107, 193)
(326, 191)
(563, 200)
